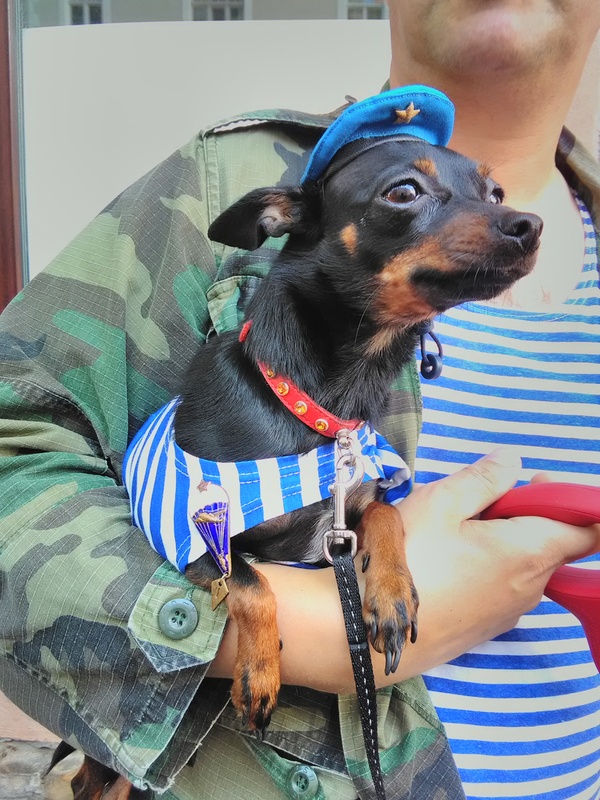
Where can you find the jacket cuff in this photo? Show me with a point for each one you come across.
(174, 624)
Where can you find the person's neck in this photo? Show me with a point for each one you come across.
(499, 123)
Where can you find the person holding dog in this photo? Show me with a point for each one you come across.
(98, 341)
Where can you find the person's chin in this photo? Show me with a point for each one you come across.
(495, 36)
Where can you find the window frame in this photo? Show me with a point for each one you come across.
(188, 10)
(11, 222)
(106, 10)
(342, 7)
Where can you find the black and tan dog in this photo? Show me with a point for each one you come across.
(394, 236)
(390, 236)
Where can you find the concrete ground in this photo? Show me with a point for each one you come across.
(25, 752)
(22, 766)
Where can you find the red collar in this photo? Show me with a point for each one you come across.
(299, 403)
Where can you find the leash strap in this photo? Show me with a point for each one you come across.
(345, 575)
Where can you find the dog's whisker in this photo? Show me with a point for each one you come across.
(362, 316)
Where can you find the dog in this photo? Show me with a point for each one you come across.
(391, 236)
(397, 235)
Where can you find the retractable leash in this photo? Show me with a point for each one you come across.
(575, 588)
(339, 548)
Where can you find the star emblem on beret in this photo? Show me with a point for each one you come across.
(408, 114)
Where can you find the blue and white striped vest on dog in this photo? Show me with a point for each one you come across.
(168, 487)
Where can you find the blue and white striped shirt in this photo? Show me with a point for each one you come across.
(522, 712)
(168, 487)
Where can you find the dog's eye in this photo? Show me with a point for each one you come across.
(402, 194)
(496, 196)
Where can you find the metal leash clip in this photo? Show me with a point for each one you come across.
(349, 473)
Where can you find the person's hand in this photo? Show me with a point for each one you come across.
(474, 578)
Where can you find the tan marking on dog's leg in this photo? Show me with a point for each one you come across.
(256, 676)
(391, 600)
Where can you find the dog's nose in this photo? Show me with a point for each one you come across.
(526, 228)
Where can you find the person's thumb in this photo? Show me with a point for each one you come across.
(476, 486)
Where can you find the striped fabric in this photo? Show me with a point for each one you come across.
(163, 482)
(522, 712)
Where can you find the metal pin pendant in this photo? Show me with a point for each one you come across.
(219, 591)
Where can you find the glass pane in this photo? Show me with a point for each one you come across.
(95, 13)
(200, 13)
(236, 13)
(77, 15)
(218, 14)
(355, 12)
(375, 13)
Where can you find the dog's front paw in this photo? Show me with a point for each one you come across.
(256, 680)
(390, 613)
(391, 600)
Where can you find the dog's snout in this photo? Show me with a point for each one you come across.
(525, 228)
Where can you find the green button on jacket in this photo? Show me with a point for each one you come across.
(178, 618)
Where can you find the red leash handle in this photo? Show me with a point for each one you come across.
(578, 590)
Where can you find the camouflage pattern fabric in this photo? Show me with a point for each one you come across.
(89, 349)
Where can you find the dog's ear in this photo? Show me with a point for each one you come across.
(272, 211)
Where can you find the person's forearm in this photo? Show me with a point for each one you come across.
(315, 649)
(474, 579)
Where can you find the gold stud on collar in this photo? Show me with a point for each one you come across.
(300, 408)
(322, 425)
(409, 113)
(283, 388)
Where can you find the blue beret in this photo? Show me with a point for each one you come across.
(406, 111)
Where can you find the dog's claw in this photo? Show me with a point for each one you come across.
(374, 630)
(391, 624)
(255, 700)
(392, 655)
(414, 630)
(388, 661)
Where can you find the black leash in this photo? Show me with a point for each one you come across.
(345, 575)
(348, 476)
(339, 548)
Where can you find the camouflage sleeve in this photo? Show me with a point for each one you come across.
(582, 171)
(88, 350)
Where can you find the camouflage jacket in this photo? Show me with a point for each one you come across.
(89, 349)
